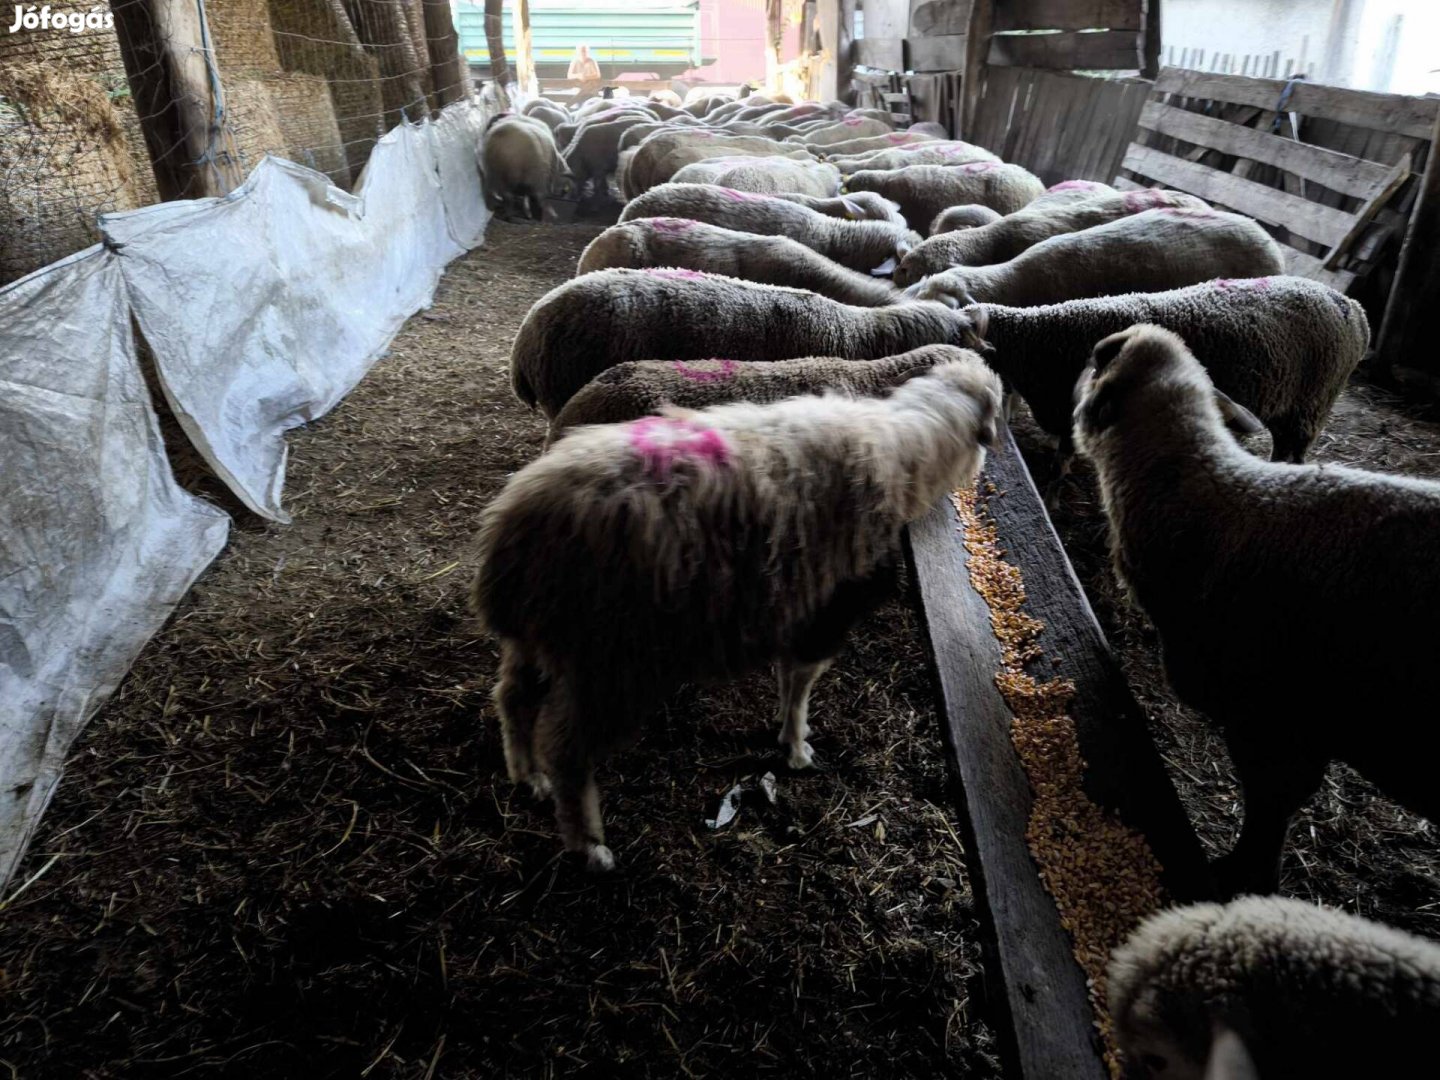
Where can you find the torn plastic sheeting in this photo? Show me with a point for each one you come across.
(458, 132)
(97, 542)
(264, 308)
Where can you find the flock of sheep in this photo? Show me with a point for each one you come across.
(801, 334)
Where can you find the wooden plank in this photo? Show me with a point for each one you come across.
(1323, 224)
(1408, 331)
(1124, 183)
(1300, 264)
(1150, 47)
(1398, 175)
(1394, 113)
(940, 53)
(845, 50)
(1043, 988)
(977, 33)
(887, 54)
(1103, 51)
(1341, 172)
(1069, 15)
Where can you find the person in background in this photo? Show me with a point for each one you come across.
(586, 71)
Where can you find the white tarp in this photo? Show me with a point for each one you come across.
(265, 307)
(458, 131)
(97, 542)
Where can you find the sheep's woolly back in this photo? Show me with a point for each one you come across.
(1305, 986)
(951, 152)
(630, 391)
(964, 216)
(703, 540)
(924, 190)
(610, 317)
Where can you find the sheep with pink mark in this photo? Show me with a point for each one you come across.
(851, 147)
(633, 558)
(1027, 226)
(693, 245)
(859, 245)
(763, 175)
(598, 320)
(924, 190)
(1144, 252)
(661, 155)
(630, 391)
(941, 152)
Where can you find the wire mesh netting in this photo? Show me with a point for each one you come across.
(103, 118)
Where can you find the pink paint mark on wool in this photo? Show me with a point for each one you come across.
(672, 224)
(1188, 211)
(1259, 284)
(898, 138)
(725, 370)
(1075, 185)
(663, 441)
(679, 275)
(853, 121)
(1136, 202)
(979, 166)
(740, 196)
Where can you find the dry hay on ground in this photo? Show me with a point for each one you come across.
(286, 847)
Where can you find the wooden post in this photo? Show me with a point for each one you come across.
(977, 47)
(845, 51)
(165, 44)
(495, 42)
(448, 69)
(774, 32)
(1151, 66)
(1407, 332)
(524, 57)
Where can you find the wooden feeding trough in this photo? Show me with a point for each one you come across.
(1043, 987)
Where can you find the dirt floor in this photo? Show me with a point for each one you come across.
(1351, 847)
(286, 848)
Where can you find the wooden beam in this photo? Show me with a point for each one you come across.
(1328, 168)
(1314, 221)
(1397, 176)
(447, 69)
(982, 25)
(1069, 15)
(163, 45)
(1042, 987)
(1300, 264)
(1393, 113)
(524, 55)
(941, 53)
(845, 51)
(495, 43)
(1410, 327)
(774, 35)
(886, 54)
(1107, 50)
(1150, 52)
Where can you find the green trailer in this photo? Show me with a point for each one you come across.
(657, 37)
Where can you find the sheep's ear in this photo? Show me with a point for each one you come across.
(1229, 1056)
(1237, 418)
(853, 210)
(885, 269)
(903, 248)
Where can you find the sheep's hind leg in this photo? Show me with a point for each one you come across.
(796, 679)
(571, 768)
(1275, 783)
(519, 696)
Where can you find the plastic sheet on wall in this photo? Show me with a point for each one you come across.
(265, 307)
(97, 542)
(458, 132)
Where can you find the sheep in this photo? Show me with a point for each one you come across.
(763, 175)
(924, 190)
(956, 218)
(1026, 226)
(855, 147)
(727, 539)
(599, 320)
(859, 245)
(630, 391)
(553, 115)
(857, 206)
(1145, 252)
(1284, 347)
(928, 127)
(519, 164)
(932, 153)
(666, 97)
(665, 152)
(775, 260)
(1267, 584)
(1271, 986)
(852, 127)
(594, 152)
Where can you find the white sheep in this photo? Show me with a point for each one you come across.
(763, 175)
(1027, 226)
(665, 152)
(775, 260)
(1146, 252)
(632, 558)
(965, 216)
(924, 190)
(1268, 987)
(940, 152)
(1284, 347)
(860, 245)
(1295, 604)
(630, 391)
(859, 206)
(594, 151)
(853, 147)
(851, 127)
(599, 320)
(519, 164)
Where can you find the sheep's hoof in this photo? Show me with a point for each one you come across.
(801, 756)
(599, 859)
(539, 785)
